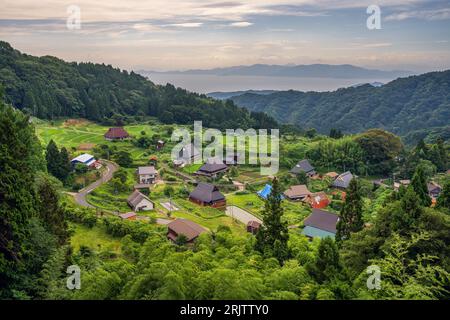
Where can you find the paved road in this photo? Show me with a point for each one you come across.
(80, 197)
(241, 215)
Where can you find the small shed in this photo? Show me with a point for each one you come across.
(253, 226)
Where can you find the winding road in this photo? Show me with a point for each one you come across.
(80, 197)
(111, 167)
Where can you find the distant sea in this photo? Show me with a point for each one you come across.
(211, 83)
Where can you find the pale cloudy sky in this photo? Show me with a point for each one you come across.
(176, 34)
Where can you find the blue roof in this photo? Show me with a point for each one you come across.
(264, 193)
(315, 232)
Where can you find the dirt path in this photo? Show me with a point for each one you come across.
(241, 215)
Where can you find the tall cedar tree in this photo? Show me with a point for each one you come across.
(17, 204)
(327, 263)
(351, 213)
(419, 184)
(52, 215)
(52, 157)
(65, 166)
(272, 237)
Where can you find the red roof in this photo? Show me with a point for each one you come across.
(116, 133)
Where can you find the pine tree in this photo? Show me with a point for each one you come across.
(17, 204)
(65, 166)
(327, 264)
(272, 237)
(53, 159)
(419, 184)
(351, 213)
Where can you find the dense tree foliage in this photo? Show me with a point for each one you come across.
(350, 217)
(48, 87)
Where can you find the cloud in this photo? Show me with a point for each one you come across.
(378, 45)
(186, 25)
(437, 14)
(240, 24)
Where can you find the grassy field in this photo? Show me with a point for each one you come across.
(294, 212)
(95, 238)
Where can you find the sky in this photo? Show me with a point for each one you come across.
(201, 34)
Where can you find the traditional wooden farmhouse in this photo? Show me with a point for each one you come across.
(342, 181)
(147, 175)
(206, 194)
(212, 168)
(128, 216)
(185, 227)
(318, 200)
(332, 175)
(303, 166)
(320, 224)
(139, 202)
(434, 190)
(118, 133)
(298, 192)
(253, 226)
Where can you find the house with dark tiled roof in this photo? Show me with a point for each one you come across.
(185, 227)
(206, 194)
(140, 202)
(303, 166)
(342, 181)
(212, 168)
(117, 133)
(320, 224)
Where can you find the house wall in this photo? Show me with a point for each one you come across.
(146, 178)
(144, 205)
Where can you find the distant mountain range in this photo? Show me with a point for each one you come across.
(344, 71)
(419, 104)
(228, 95)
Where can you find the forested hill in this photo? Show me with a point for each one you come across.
(401, 106)
(48, 87)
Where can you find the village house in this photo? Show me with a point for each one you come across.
(185, 227)
(128, 216)
(298, 192)
(318, 200)
(332, 175)
(206, 194)
(320, 224)
(239, 185)
(147, 175)
(434, 189)
(86, 159)
(342, 181)
(117, 133)
(404, 183)
(303, 166)
(212, 168)
(139, 202)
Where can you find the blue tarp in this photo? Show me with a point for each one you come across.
(264, 193)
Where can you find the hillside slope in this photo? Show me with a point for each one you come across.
(48, 87)
(401, 106)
